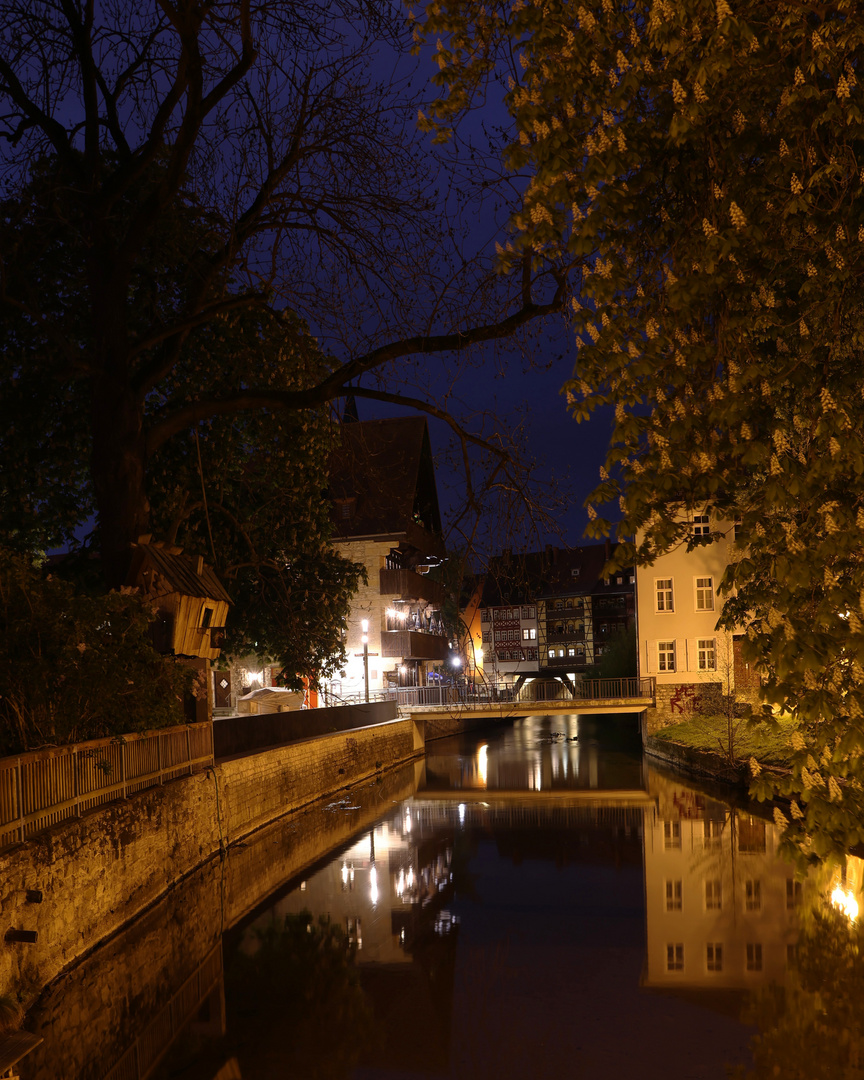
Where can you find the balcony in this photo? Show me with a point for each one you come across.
(570, 663)
(565, 636)
(413, 645)
(409, 585)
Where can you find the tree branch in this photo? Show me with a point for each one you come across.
(337, 384)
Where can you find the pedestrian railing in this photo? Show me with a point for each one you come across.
(587, 690)
(483, 694)
(43, 787)
(142, 1058)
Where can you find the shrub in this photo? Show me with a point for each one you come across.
(75, 666)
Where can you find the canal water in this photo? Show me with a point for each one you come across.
(536, 901)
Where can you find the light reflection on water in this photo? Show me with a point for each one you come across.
(543, 906)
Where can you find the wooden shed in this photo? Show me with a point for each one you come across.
(191, 602)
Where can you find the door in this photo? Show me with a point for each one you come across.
(222, 689)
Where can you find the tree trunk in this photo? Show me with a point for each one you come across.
(118, 463)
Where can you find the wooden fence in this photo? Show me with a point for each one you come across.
(44, 787)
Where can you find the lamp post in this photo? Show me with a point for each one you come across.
(365, 625)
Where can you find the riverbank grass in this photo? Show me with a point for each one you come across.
(768, 743)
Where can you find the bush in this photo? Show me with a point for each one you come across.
(75, 666)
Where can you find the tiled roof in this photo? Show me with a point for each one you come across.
(383, 473)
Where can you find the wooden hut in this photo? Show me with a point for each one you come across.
(190, 601)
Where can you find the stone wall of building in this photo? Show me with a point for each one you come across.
(677, 702)
(97, 873)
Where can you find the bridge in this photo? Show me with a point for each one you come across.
(547, 697)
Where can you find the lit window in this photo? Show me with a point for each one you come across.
(672, 834)
(673, 895)
(551, 654)
(663, 588)
(675, 957)
(665, 655)
(753, 895)
(754, 957)
(701, 525)
(704, 594)
(571, 652)
(707, 654)
(714, 957)
(714, 895)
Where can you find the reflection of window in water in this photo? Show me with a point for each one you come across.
(714, 956)
(713, 894)
(672, 834)
(791, 955)
(754, 956)
(753, 895)
(673, 895)
(354, 931)
(713, 830)
(751, 835)
(675, 957)
(793, 893)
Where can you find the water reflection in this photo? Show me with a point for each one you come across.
(537, 907)
(555, 755)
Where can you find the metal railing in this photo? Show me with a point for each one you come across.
(44, 787)
(141, 1059)
(587, 690)
(481, 694)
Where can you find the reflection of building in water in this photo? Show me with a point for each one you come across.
(721, 905)
(538, 754)
(380, 891)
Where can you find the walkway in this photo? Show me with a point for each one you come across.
(546, 697)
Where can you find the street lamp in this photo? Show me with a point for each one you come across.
(365, 625)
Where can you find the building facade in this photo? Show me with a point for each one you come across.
(552, 614)
(695, 664)
(386, 517)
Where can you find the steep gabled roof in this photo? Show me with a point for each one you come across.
(383, 475)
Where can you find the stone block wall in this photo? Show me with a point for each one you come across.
(101, 871)
(677, 702)
(92, 1016)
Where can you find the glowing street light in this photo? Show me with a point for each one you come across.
(365, 627)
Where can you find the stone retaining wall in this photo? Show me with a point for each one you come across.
(99, 872)
(91, 1016)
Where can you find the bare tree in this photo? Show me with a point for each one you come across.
(166, 165)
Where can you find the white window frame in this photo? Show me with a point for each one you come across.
(714, 956)
(706, 654)
(666, 656)
(701, 525)
(713, 894)
(703, 594)
(664, 595)
(675, 956)
(674, 894)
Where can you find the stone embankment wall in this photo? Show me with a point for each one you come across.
(92, 1016)
(99, 872)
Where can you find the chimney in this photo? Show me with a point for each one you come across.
(199, 566)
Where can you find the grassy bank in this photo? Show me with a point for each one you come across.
(768, 743)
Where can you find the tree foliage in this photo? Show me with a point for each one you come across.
(76, 667)
(705, 158)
